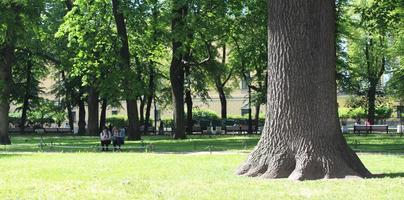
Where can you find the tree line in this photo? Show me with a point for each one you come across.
(105, 52)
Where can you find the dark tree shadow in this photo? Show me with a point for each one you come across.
(389, 175)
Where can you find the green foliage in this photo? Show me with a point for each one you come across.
(201, 114)
(118, 121)
(168, 122)
(344, 113)
(14, 118)
(358, 112)
(46, 112)
(368, 32)
(383, 112)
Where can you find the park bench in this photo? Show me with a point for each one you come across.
(371, 128)
(57, 130)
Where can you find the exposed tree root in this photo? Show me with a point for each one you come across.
(303, 166)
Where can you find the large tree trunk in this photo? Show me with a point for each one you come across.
(93, 111)
(6, 63)
(103, 117)
(302, 138)
(82, 116)
(131, 100)
(177, 68)
(27, 95)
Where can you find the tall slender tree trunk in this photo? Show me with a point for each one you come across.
(141, 109)
(189, 103)
(69, 106)
(93, 111)
(257, 112)
(302, 138)
(149, 98)
(179, 12)
(371, 103)
(27, 95)
(6, 63)
(220, 87)
(223, 100)
(103, 117)
(82, 116)
(131, 99)
(69, 95)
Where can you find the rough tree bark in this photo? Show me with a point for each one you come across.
(302, 138)
(27, 95)
(131, 100)
(177, 68)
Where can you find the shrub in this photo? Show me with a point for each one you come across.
(168, 122)
(357, 113)
(344, 113)
(14, 118)
(208, 115)
(383, 112)
(118, 121)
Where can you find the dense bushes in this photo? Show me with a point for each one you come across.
(208, 115)
(382, 112)
(118, 121)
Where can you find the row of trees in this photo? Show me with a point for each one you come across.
(104, 52)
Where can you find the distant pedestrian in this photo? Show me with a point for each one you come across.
(117, 139)
(105, 137)
(358, 121)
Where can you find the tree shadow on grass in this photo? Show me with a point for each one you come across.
(4, 155)
(389, 175)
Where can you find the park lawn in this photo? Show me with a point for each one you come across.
(177, 176)
(32, 143)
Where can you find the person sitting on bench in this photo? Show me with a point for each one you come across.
(105, 137)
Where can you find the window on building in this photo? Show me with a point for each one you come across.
(243, 85)
(114, 112)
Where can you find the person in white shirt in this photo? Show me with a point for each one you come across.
(105, 137)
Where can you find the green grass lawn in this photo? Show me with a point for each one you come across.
(32, 172)
(177, 176)
(32, 143)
